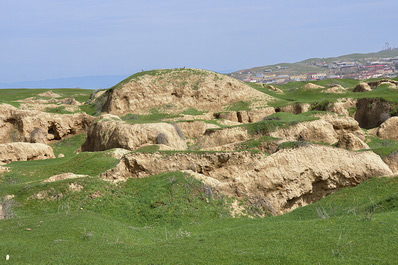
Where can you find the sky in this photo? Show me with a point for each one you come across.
(45, 39)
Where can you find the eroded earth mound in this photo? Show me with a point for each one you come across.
(178, 89)
(39, 127)
(24, 152)
(287, 179)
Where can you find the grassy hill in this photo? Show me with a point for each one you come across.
(172, 218)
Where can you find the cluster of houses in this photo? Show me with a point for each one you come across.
(365, 69)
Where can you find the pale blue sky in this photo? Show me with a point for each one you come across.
(43, 39)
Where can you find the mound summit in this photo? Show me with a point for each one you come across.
(176, 90)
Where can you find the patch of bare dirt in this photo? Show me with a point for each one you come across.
(63, 177)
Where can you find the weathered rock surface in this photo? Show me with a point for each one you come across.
(295, 108)
(362, 87)
(343, 125)
(365, 87)
(374, 84)
(108, 134)
(335, 89)
(316, 131)
(310, 86)
(286, 179)
(256, 115)
(35, 126)
(352, 142)
(272, 88)
(179, 89)
(194, 129)
(326, 130)
(389, 129)
(250, 116)
(24, 151)
(342, 106)
(219, 137)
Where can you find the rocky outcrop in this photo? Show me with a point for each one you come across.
(295, 108)
(342, 106)
(285, 180)
(256, 115)
(39, 127)
(371, 112)
(389, 129)
(178, 89)
(250, 116)
(194, 129)
(24, 151)
(365, 87)
(310, 86)
(316, 131)
(275, 89)
(108, 134)
(374, 84)
(352, 142)
(219, 137)
(344, 125)
(326, 130)
(335, 89)
(362, 87)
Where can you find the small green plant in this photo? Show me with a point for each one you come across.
(239, 106)
(87, 235)
(193, 111)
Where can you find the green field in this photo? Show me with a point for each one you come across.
(172, 218)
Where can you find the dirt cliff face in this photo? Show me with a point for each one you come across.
(35, 126)
(178, 89)
(389, 129)
(285, 180)
(371, 112)
(108, 134)
(24, 151)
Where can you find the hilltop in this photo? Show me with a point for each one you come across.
(191, 166)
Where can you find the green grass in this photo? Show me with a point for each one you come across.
(11, 96)
(69, 146)
(85, 163)
(353, 226)
(57, 110)
(153, 117)
(193, 111)
(90, 109)
(293, 92)
(278, 120)
(239, 106)
(383, 147)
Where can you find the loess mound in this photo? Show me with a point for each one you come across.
(285, 180)
(39, 127)
(178, 89)
(108, 134)
(24, 151)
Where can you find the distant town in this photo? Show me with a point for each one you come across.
(361, 68)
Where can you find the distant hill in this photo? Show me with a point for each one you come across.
(87, 82)
(311, 65)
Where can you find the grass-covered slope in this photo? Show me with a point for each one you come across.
(11, 96)
(353, 226)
